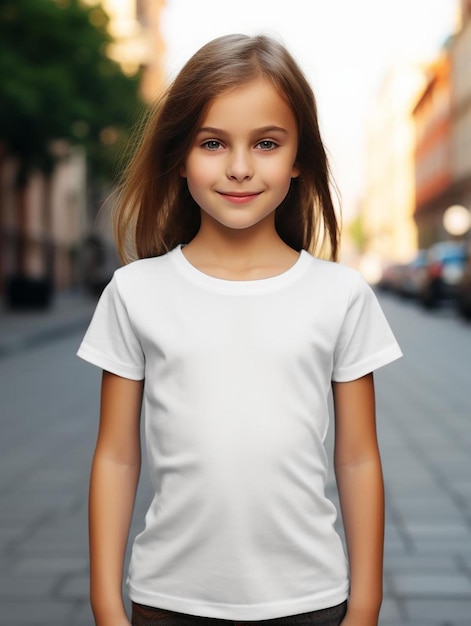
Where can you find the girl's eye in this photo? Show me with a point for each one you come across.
(211, 144)
(267, 144)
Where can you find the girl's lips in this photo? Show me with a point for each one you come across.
(238, 197)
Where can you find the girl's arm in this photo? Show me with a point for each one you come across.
(360, 483)
(114, 477)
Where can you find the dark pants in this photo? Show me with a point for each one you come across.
(149, 616)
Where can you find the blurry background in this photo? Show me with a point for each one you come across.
(393, 84)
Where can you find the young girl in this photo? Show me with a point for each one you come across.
(239, 333)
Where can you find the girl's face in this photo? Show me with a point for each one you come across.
(240, 166)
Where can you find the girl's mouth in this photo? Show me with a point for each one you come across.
(239, 197)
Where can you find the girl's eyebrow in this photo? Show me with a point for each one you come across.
(256, 131)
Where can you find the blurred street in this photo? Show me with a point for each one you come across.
(49, 406)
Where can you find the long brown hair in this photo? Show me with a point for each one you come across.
(155, 211)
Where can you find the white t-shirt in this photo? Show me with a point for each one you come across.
(237, 377)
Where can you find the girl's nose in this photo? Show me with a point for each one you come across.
(239, 166)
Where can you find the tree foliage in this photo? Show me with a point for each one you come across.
(356, 230)
(57, 82)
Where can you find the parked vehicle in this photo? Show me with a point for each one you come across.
(412, 274)
(445, 263)
(390, 277)
(463, 296)
(404, 278)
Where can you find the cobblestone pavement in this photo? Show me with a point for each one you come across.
(48, 407)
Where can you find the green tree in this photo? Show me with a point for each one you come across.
(57, 82)
(356, 230)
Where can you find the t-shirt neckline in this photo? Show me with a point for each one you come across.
(258, 285)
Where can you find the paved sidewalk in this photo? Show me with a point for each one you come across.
(20, 330)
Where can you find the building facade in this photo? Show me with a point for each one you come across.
(138, 43)
(433, 152)
(388, 201)
(442, 119)
(460, 53)
(43, 222)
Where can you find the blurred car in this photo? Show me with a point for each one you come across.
(404, 279)
(444, 268)
(463, 296)
(411, 275)
(390, 277)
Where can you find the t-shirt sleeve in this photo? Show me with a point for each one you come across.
(111, 341)
(366, 341)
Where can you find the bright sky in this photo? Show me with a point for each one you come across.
(343, 46)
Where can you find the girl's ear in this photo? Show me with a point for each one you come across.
(182, 170)
(295, 171)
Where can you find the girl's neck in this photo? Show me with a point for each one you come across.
(240, 254)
